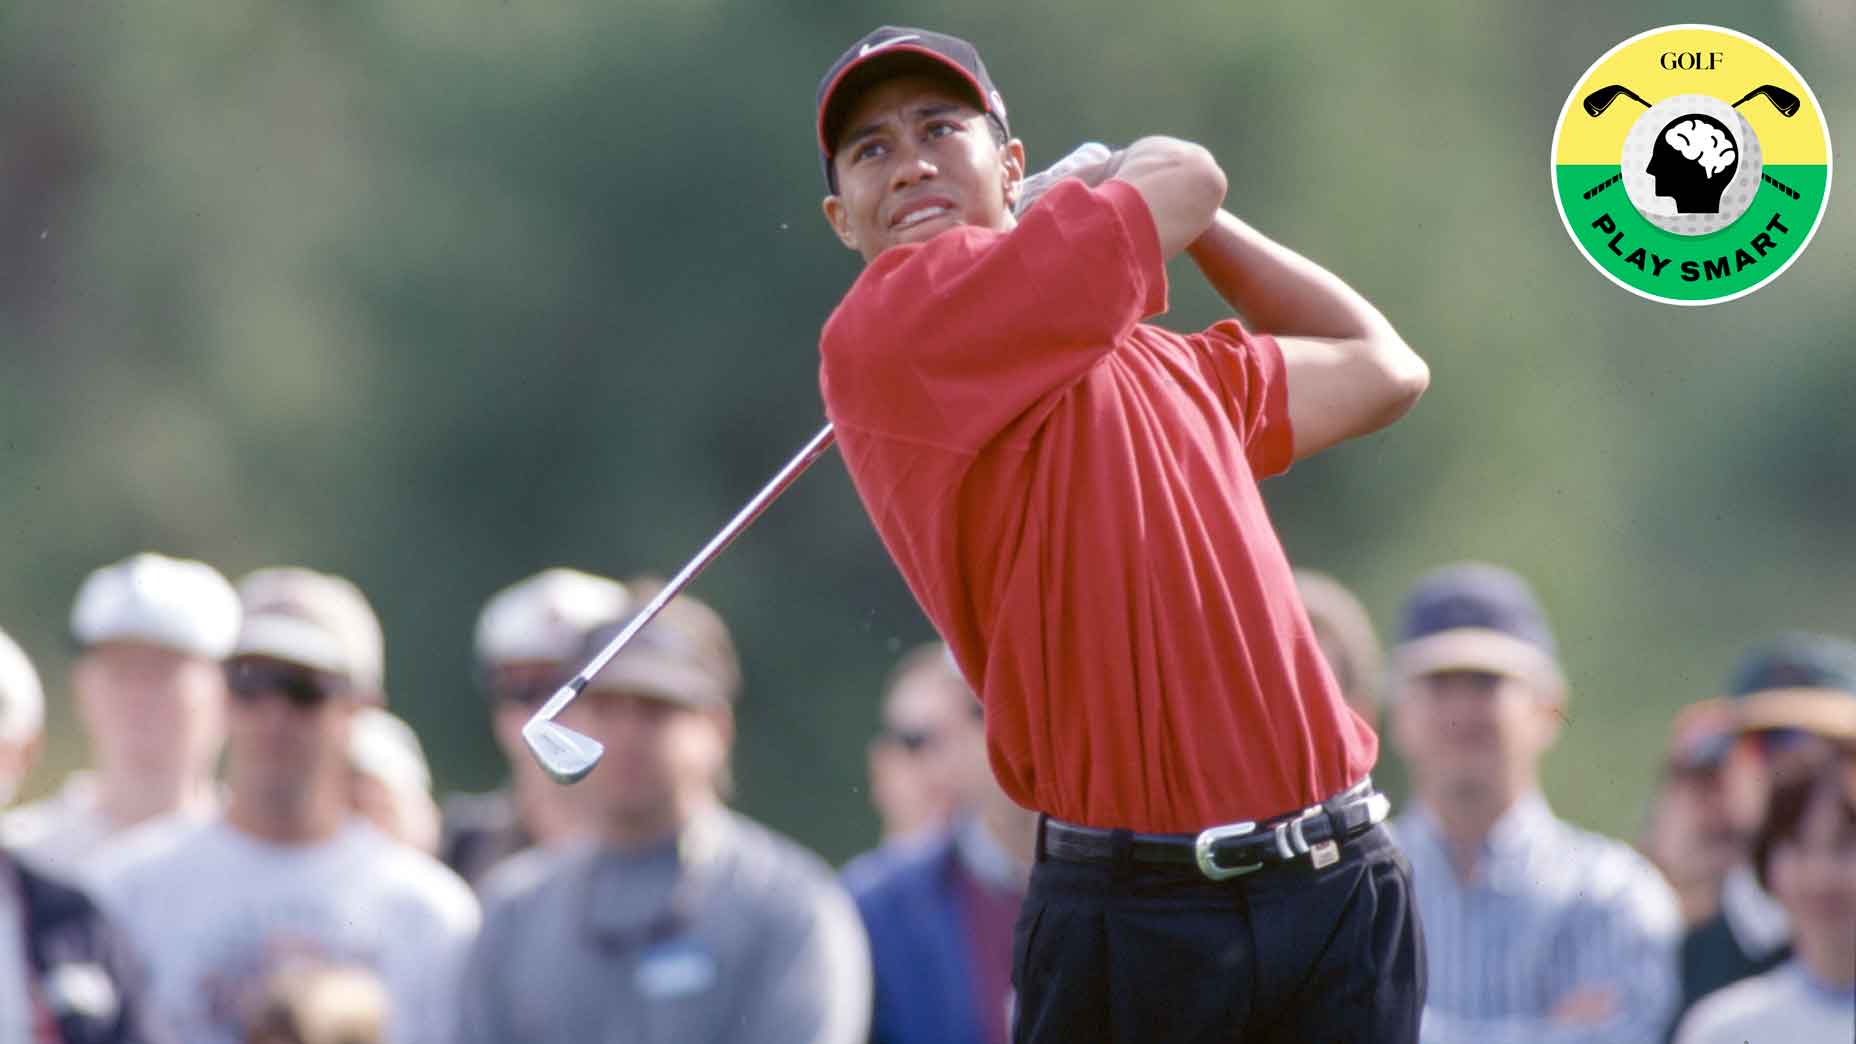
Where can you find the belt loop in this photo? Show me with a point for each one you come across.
(1040, 855)
(1123, 840)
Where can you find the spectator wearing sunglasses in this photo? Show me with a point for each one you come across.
(1805, 855)
(922, 758)
(150, 693)
(289, 873)
(679, 919)
(1772, 690)
(940, 911)
(527, 638)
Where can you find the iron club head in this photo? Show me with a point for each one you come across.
(565, 755)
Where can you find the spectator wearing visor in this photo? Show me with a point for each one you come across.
(1804, 854)
(289, 873)
(1785, 696)
(151, 696)
(66, 973)
(681, 921)
(1537, 931)
(527, 640)
(1697, 828)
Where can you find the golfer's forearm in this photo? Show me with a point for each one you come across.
(1278, 290)
(1180, 182)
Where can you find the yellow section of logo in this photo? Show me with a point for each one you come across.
(1692, 59)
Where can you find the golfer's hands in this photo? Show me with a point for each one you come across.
(1091, 161)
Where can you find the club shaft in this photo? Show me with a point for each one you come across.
(768, 494)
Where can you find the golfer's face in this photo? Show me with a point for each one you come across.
(917, 159)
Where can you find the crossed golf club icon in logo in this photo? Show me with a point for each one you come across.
(1782, 100)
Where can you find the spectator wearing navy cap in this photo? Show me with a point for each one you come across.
(1536, 930)
(151, 695)
(1782, 692)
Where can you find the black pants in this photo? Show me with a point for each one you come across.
(1127, 952)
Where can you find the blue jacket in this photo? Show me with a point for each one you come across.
(910, 903)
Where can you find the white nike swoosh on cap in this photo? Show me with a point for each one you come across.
(880, 44)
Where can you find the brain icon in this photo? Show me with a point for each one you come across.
(1707, 146)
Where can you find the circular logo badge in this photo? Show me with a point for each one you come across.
(1691, 164)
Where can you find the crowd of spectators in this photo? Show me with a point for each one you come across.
(256, 852)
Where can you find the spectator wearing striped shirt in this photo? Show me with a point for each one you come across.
(1536, 931)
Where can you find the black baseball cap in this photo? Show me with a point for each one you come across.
(895, 50)
(1476, 617)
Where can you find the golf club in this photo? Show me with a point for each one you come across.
(567, 756)
(1600, 100)
(1783, 100)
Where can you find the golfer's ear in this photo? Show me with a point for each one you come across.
(840, 220)
(1012, 165)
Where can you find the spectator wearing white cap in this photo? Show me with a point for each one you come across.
(390, 782)
(527, 640)
(151, 695)
(65, 972)
(289, 872)
(683, 920)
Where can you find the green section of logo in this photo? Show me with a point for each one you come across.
(1691, 268)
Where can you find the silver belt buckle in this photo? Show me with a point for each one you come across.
(1208, 859)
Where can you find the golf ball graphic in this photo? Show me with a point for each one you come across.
(1691, 164)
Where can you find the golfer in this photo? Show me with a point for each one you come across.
(1071, 494)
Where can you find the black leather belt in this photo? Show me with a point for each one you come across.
(1233, 849)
